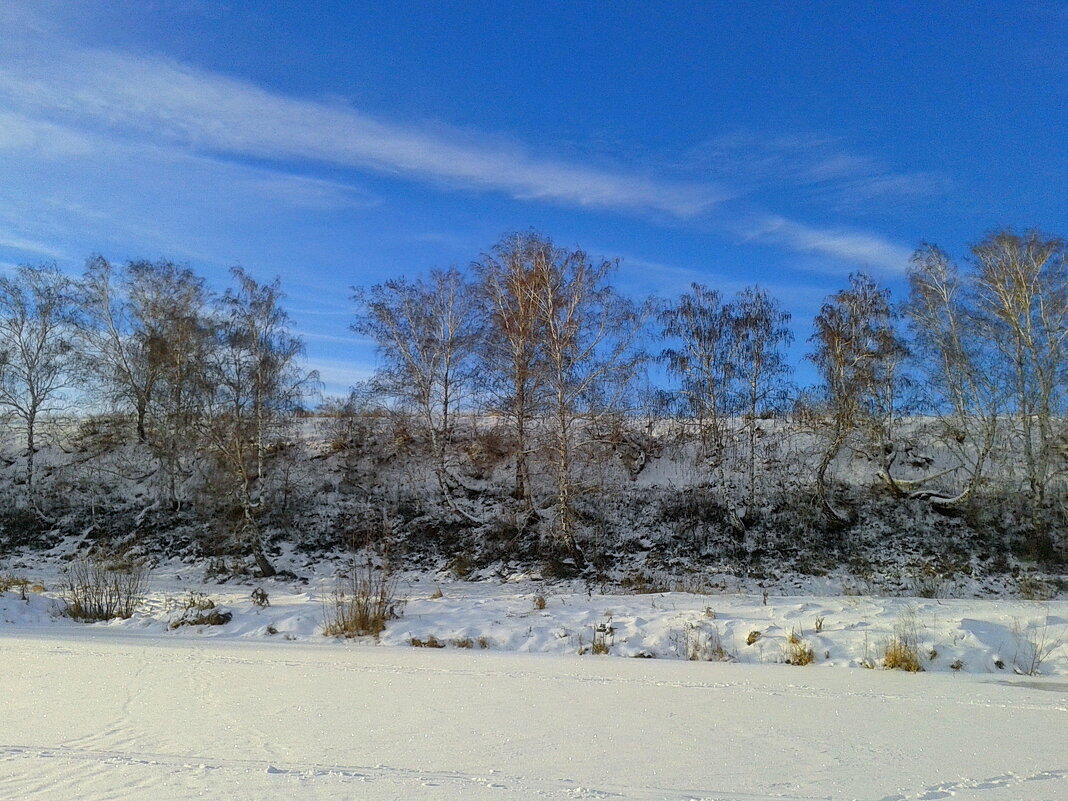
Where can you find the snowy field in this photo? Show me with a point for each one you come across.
(525, 702)
(101, 714)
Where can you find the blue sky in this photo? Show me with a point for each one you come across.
(340, 144)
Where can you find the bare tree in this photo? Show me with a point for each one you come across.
(35, 348)
(590, 359)
(512, 278)
(1022, 294)
(704, 361)
(114, 355)
(759, 331)
(426, 331)
(259, 386)
(956, 356)
(145, 340)
(857, 353)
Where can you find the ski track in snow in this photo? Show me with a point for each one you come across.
(78, 760)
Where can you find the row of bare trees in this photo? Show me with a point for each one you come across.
(538, 333)
(534, 340)
(973, 363)
(993, 348)
(195, 373)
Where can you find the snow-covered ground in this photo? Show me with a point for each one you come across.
(975, 636)
(103, 713)
(520, 703)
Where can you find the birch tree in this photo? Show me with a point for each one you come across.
(259, 386)
(590, 359)
(759, 331)
(426, 331)
(1022, 295)
(36, 311)
(856, 352)
(512, 278)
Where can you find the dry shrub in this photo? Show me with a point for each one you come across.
(11, 582)
(797, 651)
(429, 642)
(198, 601)
(1035, 643)
(701, 644)
(902, 650)
(208, 617)
(1032, 588)
(463, 642)
(603, 637)
(97, 589)
(539, 602)
(363, 604)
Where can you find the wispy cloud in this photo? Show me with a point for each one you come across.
(821, 167)
(142, 112)
(856, 247)
(16, 242)
(162, 100)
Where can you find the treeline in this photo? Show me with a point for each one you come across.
(536, 336)
(202, 385)
(505, 388)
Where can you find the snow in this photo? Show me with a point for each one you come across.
(103, 712)
(950, 635)
(265, 707)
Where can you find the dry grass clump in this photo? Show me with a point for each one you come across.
(198, 601)
(539, 602)
(212, 617)
(429, 642)
(1033, 588)
(97, 589)
(200, 610)
(363, 604)
(698, 643)
(902, 650)
(899, 655)
(20, 583)
(797, 651)
(11, 582)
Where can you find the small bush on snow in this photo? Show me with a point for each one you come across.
(97, 589)
(1035, 643)
(797, 651)
(363, 605)
(902, 650)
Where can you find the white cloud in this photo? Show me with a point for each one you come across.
(870, 251)
(820, 166)
(16, 242)
(162, 100)
(143, 113)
